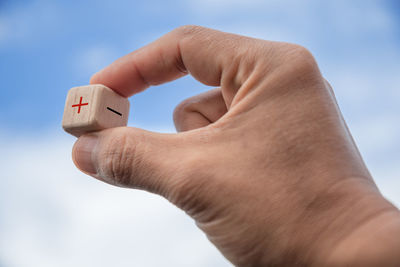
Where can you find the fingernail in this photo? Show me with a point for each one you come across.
(83, 154)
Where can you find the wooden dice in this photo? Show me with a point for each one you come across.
(92, 108)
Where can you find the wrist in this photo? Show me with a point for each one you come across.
(376, 243)
(367, 234)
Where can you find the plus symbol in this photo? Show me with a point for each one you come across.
(80, 105)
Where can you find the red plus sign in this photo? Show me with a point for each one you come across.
(80, 105)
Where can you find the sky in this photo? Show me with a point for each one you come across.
(52, 215)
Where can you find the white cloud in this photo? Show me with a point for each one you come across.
(211, 8)
(3, 30)
(91, 59)
(52, 215)
(378, 133)
(388, 181)
(296, 21)
(28, 22)
(228, 5)
(358, 17)
(378, 141)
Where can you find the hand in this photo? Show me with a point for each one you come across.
(264, 163)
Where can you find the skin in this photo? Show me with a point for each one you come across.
(264, 163)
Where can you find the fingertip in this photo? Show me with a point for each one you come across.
(95, 78)
(83, 152)
(103, 77)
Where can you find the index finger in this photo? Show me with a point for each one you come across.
(206, 54)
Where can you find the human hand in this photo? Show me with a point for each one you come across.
(264, 164)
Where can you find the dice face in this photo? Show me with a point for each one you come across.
(92, 108)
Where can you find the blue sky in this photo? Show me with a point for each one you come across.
(51, 215)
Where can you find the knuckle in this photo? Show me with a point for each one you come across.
(189, 30)
(301, 59)
(118, 159)
(182, 110)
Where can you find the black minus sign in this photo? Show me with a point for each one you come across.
(116, 112)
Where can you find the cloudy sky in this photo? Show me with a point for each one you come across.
(51, 215)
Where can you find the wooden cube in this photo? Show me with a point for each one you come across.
(92, 108)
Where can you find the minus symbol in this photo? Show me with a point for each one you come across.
(116, 112)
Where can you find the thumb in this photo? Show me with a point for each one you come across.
(131, 157)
